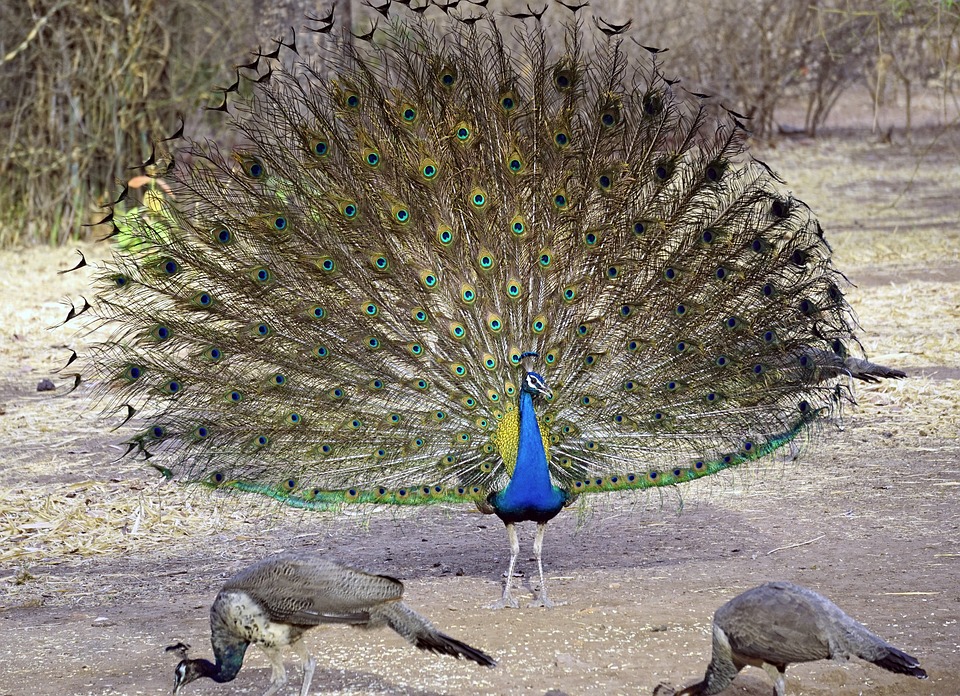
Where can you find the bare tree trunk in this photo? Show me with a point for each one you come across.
(906, 92)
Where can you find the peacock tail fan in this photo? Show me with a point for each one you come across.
(336, 309)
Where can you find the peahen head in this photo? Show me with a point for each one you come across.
(533, 383)
(190, 670)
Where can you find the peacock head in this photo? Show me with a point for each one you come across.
(533, 383)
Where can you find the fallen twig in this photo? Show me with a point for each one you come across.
(791, 546)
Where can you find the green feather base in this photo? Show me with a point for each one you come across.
(318, 499)
(699, 469)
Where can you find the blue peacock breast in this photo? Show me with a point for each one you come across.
(527, 505)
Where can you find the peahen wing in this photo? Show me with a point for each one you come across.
(336, 311)
(307, 590)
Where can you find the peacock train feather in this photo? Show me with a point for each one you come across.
(457, 265)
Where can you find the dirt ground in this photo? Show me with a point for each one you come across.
(101, 566)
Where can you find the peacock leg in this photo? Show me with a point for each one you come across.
(309, 665)
(278, 676)
(541, 599)
(507, 600)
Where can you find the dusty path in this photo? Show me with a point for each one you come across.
(100, 567)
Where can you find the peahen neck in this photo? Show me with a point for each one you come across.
(220, 672)
(229, 654)
(530, 495)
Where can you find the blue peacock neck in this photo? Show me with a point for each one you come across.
(530, 495)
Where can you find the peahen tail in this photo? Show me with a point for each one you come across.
(335, 309)
(418, 631)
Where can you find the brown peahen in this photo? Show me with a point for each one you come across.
(274, 602)
(779, 623)
(454, 263)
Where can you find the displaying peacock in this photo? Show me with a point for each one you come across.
(449, 262)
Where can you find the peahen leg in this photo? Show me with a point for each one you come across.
(309, 665)
(507, 600)
(278, 677)
(541, 600)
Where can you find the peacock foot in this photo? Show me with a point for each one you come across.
(543, 601)
(504, 602)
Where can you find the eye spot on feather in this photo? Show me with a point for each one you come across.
(652, 104)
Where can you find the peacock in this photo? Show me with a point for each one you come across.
(467, 259)
(274, 602)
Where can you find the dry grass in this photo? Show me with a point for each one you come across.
(86, 86)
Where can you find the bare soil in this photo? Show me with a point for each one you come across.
(101, 566)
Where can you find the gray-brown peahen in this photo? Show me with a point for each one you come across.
(453, 264)
(274, 602)
(780, 623)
